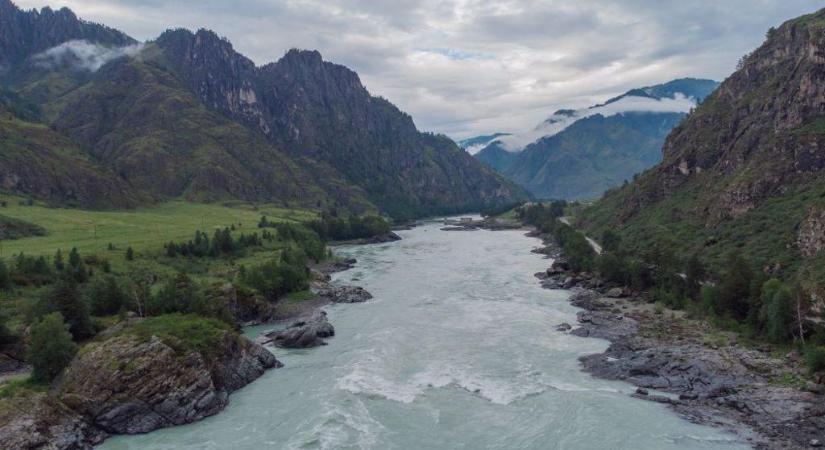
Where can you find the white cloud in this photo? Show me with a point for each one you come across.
(631, 104)
(84, 55)
(471, 67)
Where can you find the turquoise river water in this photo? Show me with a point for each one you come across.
(458, 350)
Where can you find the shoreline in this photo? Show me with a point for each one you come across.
(709, 378)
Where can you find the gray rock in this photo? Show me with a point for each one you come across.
(344, 294)
(564, 327)
(304, 333)
(615, 293)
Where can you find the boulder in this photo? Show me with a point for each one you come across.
(615, 292)
(304, 333)
(381, 238)
(559, 266)
(344, 294)
(564, 327)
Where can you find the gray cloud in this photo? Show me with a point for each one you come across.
(467, 67)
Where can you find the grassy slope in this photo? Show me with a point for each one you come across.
(145, 229)
(36, 160)
(136, 118)
(755, 186)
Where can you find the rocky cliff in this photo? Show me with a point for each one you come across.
(320, 110)
(744, 170)
(25, 33)
(140, 378)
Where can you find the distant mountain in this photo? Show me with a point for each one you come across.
(745, 171)
(25, 33)
(580, 154)
(320, 110)
(474, 144)
(187, 116)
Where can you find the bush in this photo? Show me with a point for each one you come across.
(275, 278)
(65, 298)
(709, 299)
(735, 289)
(5, 277)
(105, 297)
(50, 347)
(6, 336)
(815, 359)
(776, 316)
(130, 254)
(331, 227)
(178, 295)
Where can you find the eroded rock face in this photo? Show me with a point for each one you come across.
(40, 422)
(811, 237)
(126, 386)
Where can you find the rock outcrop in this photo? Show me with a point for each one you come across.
(303, 333)
(344, 294)
(126, 386)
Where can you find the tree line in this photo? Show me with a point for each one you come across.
(738, 297)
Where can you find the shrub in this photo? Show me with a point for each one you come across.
(709, 299)
(5, 277)
(50, 347)
(130, 254)
(65, 298)
(735, 288)
(815, 359)
(181, 295)
(6, 335)
(776, 316)
(104, 296)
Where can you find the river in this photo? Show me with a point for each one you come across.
(458, 350)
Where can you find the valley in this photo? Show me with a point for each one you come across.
(213, 244)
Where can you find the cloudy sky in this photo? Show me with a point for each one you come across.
(468, 67)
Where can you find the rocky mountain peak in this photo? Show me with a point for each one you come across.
(26, 33)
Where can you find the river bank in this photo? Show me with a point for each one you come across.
(707, 376)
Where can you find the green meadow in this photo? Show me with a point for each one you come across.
(144, 229)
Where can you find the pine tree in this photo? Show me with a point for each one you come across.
(58, 260)
(50, 347)
(65, 298)
(130, 254)
(5, 277)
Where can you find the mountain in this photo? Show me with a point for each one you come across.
(744, 171)
(580, 154)
(38, 161)
(185, 116)
(316, 109)
(25, 33)
(474, 144)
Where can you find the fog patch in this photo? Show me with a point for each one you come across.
(629, 104)
(83, 55)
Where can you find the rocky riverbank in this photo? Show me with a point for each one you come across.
(306, 324)
(130, 382)
(706, 376)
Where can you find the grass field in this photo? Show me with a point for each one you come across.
(144, 229)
